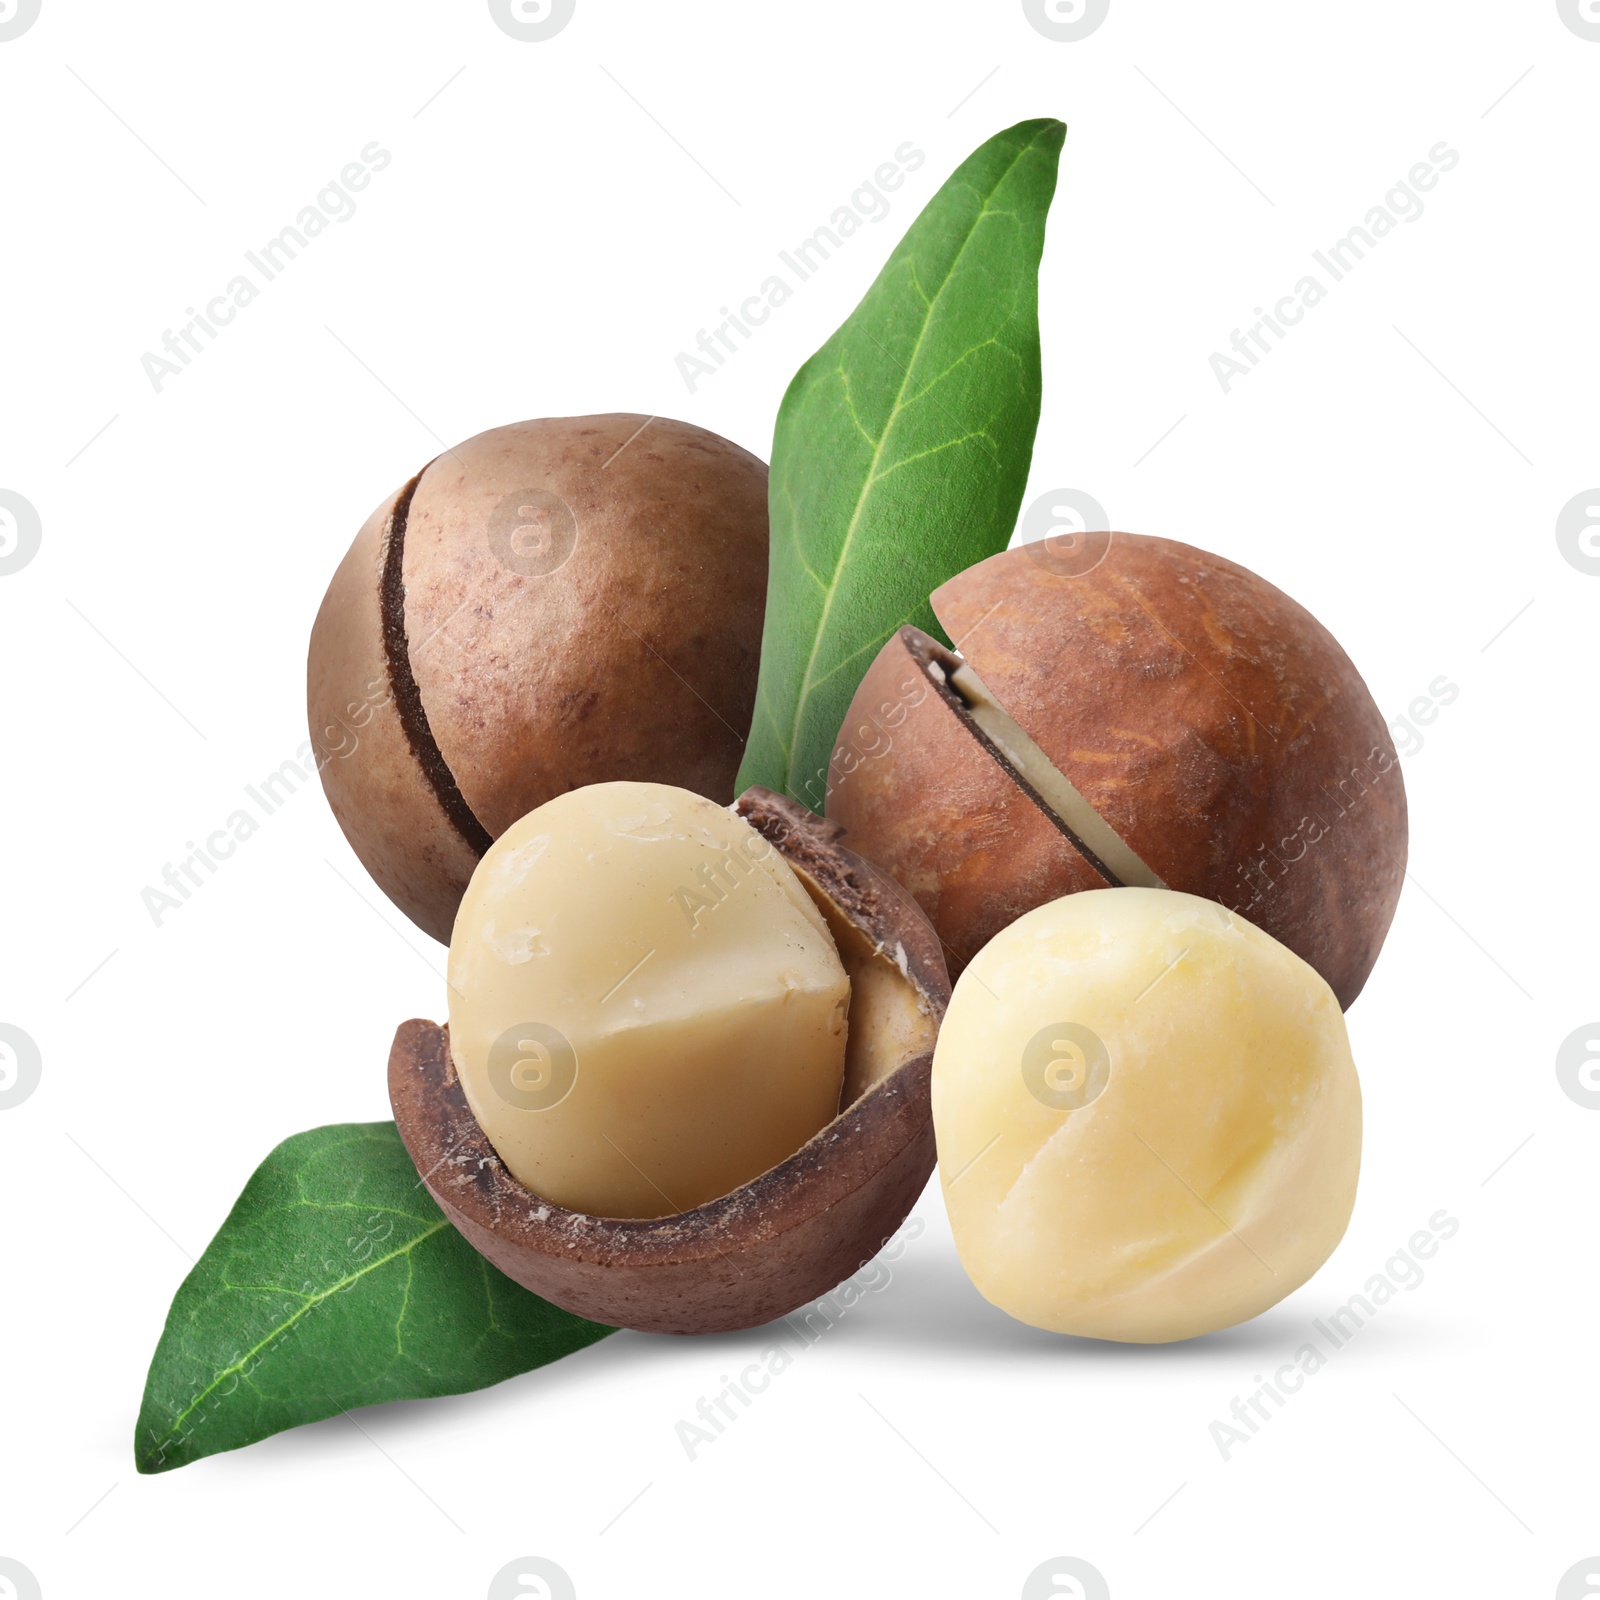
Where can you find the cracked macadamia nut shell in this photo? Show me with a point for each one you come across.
(548, 605)
(1212, 722)
(780, 1240)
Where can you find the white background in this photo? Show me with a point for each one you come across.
(540, 245)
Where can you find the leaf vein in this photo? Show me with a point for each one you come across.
(933, 450)
(842, 560)
(283, 1327)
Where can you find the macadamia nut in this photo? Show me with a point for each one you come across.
(1148, 1120)
(1135, 712)
(646, 1008)
(551, 604)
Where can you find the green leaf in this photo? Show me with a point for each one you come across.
(335, 1282)
(901, 450)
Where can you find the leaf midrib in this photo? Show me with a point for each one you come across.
(311, 1304)
(931, 306)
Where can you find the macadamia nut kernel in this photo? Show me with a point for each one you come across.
(646, 1008)
(1148, 1120)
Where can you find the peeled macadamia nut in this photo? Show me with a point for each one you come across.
(555, 603)
(1148, 1121)
(646, 1008)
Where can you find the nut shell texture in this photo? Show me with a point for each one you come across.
(378, 790)
(921, 793)
(1214, 723)
(575, 600)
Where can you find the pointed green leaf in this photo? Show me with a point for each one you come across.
(335, 1282)
(901, 450)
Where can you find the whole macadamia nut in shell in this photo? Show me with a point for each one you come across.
(1152, 716)
(551, 604)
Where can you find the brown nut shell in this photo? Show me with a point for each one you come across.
(378, 789)
(1209, 719)
(782, 1239)
(924, 796)
(551, 604)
